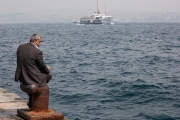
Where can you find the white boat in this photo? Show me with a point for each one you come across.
(96, 18)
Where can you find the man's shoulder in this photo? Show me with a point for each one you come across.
(24, 44)
(27, 45)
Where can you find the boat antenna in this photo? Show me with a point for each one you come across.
(97, 8)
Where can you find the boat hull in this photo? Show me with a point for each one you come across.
(96, 20)
(90, 22)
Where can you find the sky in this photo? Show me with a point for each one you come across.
(141, 6)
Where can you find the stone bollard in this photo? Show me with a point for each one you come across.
(39, 104)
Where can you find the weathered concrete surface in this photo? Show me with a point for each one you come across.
(9, 103)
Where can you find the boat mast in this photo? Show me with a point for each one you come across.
(97, 8)
(105, 9)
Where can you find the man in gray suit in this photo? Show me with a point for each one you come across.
(31, 68)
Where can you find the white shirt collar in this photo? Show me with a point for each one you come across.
(35, 45)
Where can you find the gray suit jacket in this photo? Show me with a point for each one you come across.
(31, 68)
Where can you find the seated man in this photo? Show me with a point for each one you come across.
(31, 69)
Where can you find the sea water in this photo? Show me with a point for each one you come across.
(125, 71)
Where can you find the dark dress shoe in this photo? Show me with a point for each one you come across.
(29, 105)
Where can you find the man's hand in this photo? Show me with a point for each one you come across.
(48, 67)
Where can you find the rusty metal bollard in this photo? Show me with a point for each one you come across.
(39, 104)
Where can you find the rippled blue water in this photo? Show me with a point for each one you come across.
(126, 71)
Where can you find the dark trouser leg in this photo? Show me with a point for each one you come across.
(30, 100)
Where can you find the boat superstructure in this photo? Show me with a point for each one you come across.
(96, 18)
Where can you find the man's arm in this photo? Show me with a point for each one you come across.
(18, 72)
(41, 64)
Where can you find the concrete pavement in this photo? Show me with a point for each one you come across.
(9, 103)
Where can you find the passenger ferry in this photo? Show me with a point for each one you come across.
(96, 18)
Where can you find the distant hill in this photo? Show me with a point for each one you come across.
(70, 15)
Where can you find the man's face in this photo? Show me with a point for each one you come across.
(38, 42)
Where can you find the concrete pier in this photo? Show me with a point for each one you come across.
(9, 103)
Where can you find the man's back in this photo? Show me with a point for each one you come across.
(31, 68)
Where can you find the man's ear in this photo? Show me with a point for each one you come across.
(35, 41)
